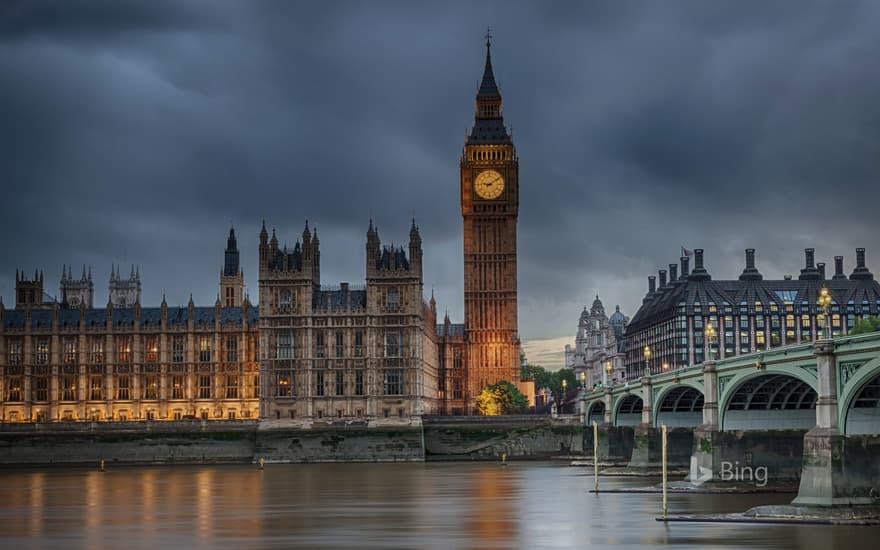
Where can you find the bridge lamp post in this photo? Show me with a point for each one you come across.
(710, 335)
(607, 373)
(562, 401)
(583, 379)
(825, 304)
(647, 354)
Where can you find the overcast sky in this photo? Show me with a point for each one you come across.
(136, 132)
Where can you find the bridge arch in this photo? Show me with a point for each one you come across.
(596, 412)
(679, 406)
(859, 402)
(628, 410)
(776, 400)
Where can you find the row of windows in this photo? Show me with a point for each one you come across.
(333, 383)
(285, 344)
(788, 306)
(96, 388)
(123, 347)
(391, 299)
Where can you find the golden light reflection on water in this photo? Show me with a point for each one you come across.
(525, 505)
(36, 495)
(493, 515)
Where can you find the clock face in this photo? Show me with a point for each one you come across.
(489, 184)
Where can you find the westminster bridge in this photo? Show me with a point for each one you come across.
(809, 411)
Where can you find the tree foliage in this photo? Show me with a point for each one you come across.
(500, 398)
(551, 380)
(868, 324)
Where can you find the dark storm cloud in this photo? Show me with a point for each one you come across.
(134, 132)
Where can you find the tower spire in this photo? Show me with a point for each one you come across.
(488, 87)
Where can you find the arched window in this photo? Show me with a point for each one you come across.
(284, 299)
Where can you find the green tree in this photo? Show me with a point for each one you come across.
(552, 380)
(500, 398)
(868, 324)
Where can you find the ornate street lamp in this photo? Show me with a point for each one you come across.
(825, 304)
(647, 353)
(583, 379)
(710, 335)
(608, 369)
(562, 401)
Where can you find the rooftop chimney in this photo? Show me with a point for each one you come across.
(861, 270)
(809, 271)
(699, 273)
(662, 274)
(838, 268)
(685, 261)
(821, 267)
(750, 273)
(652, 286)
(673, 273)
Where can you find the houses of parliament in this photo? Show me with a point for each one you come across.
(306, 350)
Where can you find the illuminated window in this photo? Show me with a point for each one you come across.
(15, 351)
(13, 388)
(231, 387)
(204, 387)
(284, 384)
(123, 349)
(96, 388)
(41, 388)
(151, 348)
(806, 328)
(42, 350)
(68, 388)
(204, 349)
(151, 387)
(178, 385)
(70, 350)
(123, 384)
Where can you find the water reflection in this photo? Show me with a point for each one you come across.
(524, 505)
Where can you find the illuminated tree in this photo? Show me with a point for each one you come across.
(501, 398)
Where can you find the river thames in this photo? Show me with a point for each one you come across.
(417, 505)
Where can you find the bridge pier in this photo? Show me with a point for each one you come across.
(703, 462)
(825, 479)
(606, 397)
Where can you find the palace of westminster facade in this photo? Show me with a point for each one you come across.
(306, 351)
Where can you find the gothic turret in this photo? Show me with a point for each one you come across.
(75, 292)
(232, 276)
(415, 247)
(125, 292)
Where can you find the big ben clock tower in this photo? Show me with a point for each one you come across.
(489, 207)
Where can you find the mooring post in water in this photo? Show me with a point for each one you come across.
(595, 457)
(663, 447)
(101, 465)
(262, 462)
(504, 459)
